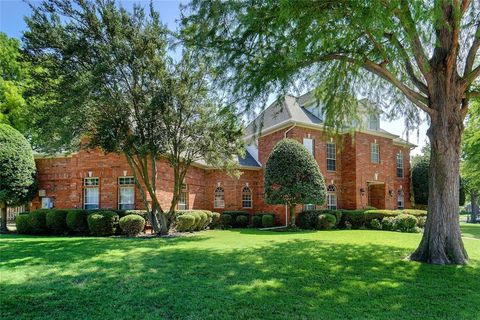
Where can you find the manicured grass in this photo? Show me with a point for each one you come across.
(471, 230)
(238, 274)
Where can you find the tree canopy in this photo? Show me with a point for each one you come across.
(292, 177)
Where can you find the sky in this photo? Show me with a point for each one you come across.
(12, 23)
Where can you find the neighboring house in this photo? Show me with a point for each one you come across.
(367, 166)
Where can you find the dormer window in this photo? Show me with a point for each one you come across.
(374, 122)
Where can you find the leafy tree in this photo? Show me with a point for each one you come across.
(471, 157)
(17, 171)
(292, 177)
(118, 87)
(421, 54)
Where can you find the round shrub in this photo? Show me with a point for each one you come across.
(77, 220)
(326, 221)
(421, 222)
(257, 221)
(38, 221)
(202, 222)
(389, 223)
(185, 222)
(226, 220)
(405, 222)
(209, 217)
(268, 221)
(376, 224)
(23, 223)
(56, 221)
(242, 221)
(307, 219)
(215, 219)
(132, 224)
(102, 223)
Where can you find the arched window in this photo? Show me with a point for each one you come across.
(219, 198)
(246, 197)
(332, 197)
(400, 200)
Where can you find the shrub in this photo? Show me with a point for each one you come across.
(38, 221)
(307, 219)
(325, 221)
(56, 221)
(421, 222)
(103, 223)
(202, 222)
(257, 221)
(356, 219)
(234, 215)
(23, 223)
(185, 222)
(405, 222)
(76, 220)
(376, 224)
(132, 224)
(226, 220)
(215, 220)
(389, 223)
(141, 213)
(268, 221)
(241, 221)
(415, 212)
(209, 218)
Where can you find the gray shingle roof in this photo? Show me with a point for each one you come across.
(248, 161)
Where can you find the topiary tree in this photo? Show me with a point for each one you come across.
(292, 177)
(17, 171)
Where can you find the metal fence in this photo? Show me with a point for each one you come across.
(12, 212)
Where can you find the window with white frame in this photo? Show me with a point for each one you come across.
(183, 198)
(331, 197)
(309, 206)
(91, 193)
(308, 143)
(373, 122)
(126, 193)
(375, 153)
(400, 200)
(399, 165)
(219, 198)
(331, 156)
(246, 197)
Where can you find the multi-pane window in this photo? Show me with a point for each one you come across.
(309, 206)
(331, 197)
(246, 197)
(375, 153)
(126, 193)
(400, 200)
(373, 122)
(183, 198)
(90, 193)
(399, 165)
(308, 143)
(331, 157)
(219, 198)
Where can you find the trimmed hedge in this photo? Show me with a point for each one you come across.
(234, 215)
(215, 220)
(241, 221)
(185, 222)
(23, 223)
(56, 221)
(268, 221)
(308, 219)
(103, 223)
(257, 221)
(76, 220)
(326, 221)
(203, 219)
(226, 220)
(132, 224)
(38, 221)
(406, 222)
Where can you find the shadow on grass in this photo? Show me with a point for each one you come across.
(187, 278)
(470, 230)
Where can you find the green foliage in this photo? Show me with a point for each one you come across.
(268, 221)
(215, 219)
(76, 220)
(132, 224)
(102, 223)
(185, 222)
(421, 222)
(406, 223)
(292, 176)
(308, 219)
(56, 221)
(226, 220)
(22, 223)
(471, 149)
(202, 219)
(389, 223)
(325, 221)
(17, 167)
(257, 221)
(241, 221)
(38, 221)
(234, 215)
(376, 224)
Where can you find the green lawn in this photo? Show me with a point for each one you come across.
(239, 274)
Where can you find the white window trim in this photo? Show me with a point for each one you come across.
(334, 155)
(220, 204)
(249, 194)
(125, 186)
(184, 205)
(309, 206)
(309, 144)
(400, 165)
(377, 152)
(402, 201)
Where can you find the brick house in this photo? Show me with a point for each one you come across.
(365, 166)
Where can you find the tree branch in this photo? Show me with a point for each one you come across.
(472, 53)
(469, 78)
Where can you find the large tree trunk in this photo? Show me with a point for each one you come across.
(442, 242)
(474, 198)
(3, 218)
(291, 215)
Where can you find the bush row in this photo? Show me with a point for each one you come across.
(402, 222)
(241, 219)
(355, 219)
(196, 220)
(78, 221)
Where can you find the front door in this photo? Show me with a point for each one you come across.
(376, 195)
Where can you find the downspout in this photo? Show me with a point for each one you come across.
(286, 207)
